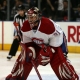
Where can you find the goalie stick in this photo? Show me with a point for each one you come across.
(33, 62)
(40, 78)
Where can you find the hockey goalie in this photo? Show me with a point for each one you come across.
(42, 43)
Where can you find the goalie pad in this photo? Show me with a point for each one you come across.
(23, 64)
(63, 69)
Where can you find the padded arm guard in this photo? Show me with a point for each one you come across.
(45, 55)
(24, 61)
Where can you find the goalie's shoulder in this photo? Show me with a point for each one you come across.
(26, 26)
(47, 26)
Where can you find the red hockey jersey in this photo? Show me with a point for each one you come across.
(48, 32)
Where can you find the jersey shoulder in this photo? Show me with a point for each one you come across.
(26, 26)
(47, 26)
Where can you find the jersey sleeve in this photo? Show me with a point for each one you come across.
(16, 25)
(15, 22)
(24, 31)
(56, 39)
(15, 32)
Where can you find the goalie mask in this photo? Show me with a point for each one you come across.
(33, 15)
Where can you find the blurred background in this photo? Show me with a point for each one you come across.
(64, 12)
(58, 10)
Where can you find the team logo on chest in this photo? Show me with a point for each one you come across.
(38, 40)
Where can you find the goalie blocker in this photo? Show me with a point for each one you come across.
(62, 68)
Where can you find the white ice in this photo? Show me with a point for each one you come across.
(45, 71)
